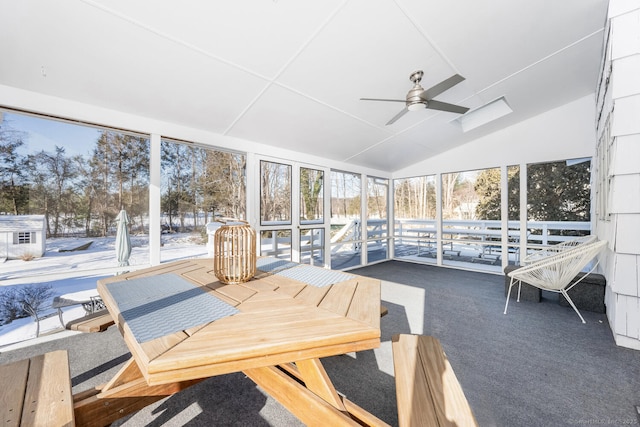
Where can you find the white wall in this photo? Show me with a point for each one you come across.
(619, 101)
(565, 132)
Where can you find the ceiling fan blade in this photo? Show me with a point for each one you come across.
(397, 116)
(378, 99)
(436, 90)
(444, 106)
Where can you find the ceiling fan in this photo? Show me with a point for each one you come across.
(418, 98)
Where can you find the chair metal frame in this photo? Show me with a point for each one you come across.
(556, 273)
(555, 249)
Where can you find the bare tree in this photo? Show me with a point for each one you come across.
(54, 172)
(449, 181)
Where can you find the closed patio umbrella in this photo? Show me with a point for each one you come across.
(123, 242)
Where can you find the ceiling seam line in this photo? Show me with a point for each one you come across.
(246, 108)
(331, 107)
(437, 113)
(174, 39)
(424, 34)
(551, 55)
(419, 123)
(369, 148)
(310, 39)
(284, 67)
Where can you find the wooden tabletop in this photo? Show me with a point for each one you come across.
(281, 318)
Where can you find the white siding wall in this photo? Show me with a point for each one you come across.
(620, 101)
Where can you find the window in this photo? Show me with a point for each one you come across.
(311, 196)
(24, 238)
(558, 192)
(197, 184)
(376, 227)
(415, 218)
(346, 227)
(558, 209)
(603, 177)
(79, 177)
(275, 193)
(471, 212)
(311, 213)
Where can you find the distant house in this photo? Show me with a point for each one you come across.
(22, 235)
(466, 211)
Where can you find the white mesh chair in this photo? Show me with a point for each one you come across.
(563, 246)
(555, 272)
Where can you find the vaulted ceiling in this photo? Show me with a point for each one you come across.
(291, 73)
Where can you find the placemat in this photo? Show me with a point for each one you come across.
(156, 306)
(271, 265)
(314, 276)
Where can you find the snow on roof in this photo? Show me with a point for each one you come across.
(10, 223)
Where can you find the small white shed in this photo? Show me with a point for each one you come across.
(22, 235)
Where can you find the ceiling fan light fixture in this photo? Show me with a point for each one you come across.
(417, 106)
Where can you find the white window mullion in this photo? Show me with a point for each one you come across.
(364, 214)
(252, 180)
(154, 199)
(439, 245)
(504, 214)
(523, 210)
(295, 212)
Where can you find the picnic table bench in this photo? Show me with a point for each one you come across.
(94, 322)
(90, 303)
(40, 391)
(427, 390)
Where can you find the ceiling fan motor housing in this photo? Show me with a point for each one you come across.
(414, 99)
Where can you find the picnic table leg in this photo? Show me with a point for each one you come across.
(299, 400)
(316, 379)
(315, 402)
(125, 394)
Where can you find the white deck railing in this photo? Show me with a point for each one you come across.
(539, 233)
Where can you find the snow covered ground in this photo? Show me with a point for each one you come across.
(99, 255)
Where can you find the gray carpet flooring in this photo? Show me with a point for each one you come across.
(536, 366)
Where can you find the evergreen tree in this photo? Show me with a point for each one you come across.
(487, 186)
(555, 192)
(559, 192)
(14, 189)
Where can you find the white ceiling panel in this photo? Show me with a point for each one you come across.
(393, 155)
(426, 138)
(394, 151)
(367, 50)
(546, 82)
(288, 120)
(258, 35)
(291, 74)
(127, 68)
(498, 38)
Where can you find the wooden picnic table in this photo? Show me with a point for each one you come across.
(274, 328)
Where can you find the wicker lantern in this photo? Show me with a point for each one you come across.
(234, 258)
